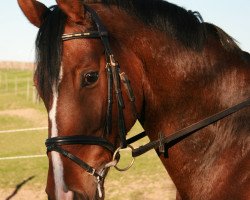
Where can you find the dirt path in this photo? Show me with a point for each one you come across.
(137, 189)
(23, 194)
(30, 114)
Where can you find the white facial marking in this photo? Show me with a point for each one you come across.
(52, 113)
(61, 191)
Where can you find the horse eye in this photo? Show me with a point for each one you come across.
(90, 78)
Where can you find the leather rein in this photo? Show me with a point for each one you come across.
(115, 78)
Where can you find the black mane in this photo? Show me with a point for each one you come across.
(49, 50)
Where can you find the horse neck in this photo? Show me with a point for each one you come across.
(172, 73)
(181, 86)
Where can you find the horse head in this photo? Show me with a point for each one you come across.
(79, 81)
(187, 74)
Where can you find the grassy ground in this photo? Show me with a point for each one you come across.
(17, 90)
(147, 179)
(19, 109)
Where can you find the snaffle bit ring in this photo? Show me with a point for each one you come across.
(131, 163)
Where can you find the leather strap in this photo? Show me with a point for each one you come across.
(136, 137)
(55, 143)
(101, 30)
(87, 35)
(115, 71)
(110, 100)
(183, 133)
(75, 159)
(79, 139)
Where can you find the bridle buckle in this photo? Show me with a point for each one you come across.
(113, 63)
(92, 172)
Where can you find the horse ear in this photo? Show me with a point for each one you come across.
(74, 9)
(33, 10)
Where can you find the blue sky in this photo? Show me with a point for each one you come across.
(18, 35)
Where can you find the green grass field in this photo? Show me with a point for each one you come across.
(18, 105)
(147, 179)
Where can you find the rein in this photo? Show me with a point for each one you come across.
(165, 142)
(114, 81)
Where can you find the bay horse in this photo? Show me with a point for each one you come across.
(181, 71)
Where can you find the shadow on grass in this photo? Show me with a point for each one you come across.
(18, 187)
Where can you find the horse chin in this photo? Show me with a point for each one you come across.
(85, 196)
(94, 193)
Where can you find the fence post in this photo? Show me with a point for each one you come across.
(6, 83)
(34, 96)
(28, 89)
(16, 85)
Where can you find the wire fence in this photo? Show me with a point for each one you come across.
(23, 157)
(17, 94)
(15, 85)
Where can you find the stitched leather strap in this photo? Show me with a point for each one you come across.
(55, 143)
(87, 35)
(80, 139)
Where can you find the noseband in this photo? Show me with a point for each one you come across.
(114, 83)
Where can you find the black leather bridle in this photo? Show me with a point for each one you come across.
(114, 83)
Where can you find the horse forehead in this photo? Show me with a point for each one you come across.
(73, 27)
(82, 47)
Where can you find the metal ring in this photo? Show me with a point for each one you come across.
(130, 165)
